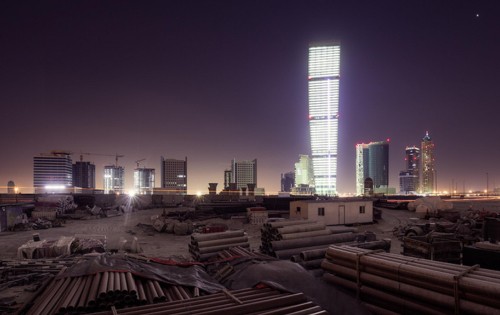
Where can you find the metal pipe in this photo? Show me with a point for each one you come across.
(212, 249)
(312, 254)
(304, 234)
(82, 302)
(224, 241)
(94, 289)
(123, 283)
(141, 295)
(198, 237)
(271, 225)
(301, 228)
(103, 287)
(73, 287)
(117, 285)
(131, 283)
(313, 241)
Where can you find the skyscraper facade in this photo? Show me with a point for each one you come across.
(323, 90)
(428, 167)
(53, 172)
(372, 161)
(409, 179)
(114, 179)
(287, 181)
(174, 175)
(304, 176)
(144, 181)
(244, 173)
(84, 175)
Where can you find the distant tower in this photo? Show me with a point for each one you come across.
(287, 181)
(409, 179)
(114, 179)
(244, 173)
(144, 181)
(372, 161)
(53, 172)
(84, 175)
(428, 167)
(304, 176)
(174, 176)
(323, 87)
(11, 187)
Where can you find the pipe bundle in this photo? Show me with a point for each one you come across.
(395, 283)
(207, 245)
(102, 291)
(243, 301)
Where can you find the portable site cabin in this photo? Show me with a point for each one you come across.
(333, 212)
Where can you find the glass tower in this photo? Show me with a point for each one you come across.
(428, 169)
(323, 87)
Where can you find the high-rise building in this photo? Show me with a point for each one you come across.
(174, 175)
(409, 178)
(114, 179)
(372, 161)
(84, 175)
(53, 172)
(287, 181)
(428, 168)
(323, 88)
(144, 181)
(244, 173)
(304, 176)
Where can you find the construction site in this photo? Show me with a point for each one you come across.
(85, 255)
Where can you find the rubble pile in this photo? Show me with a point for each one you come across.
(163, 224)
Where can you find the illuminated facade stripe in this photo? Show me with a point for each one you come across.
(323, 87)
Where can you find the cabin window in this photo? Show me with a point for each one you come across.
(361, 209)
(297, 210)
(321, 211)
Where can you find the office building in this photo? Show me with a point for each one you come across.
(428, 181)
(244, 173)
(409, 179)
(84, 175)
(114, 179)
(287, 181)
(323, 91)
(144, 181)
(304, 176)
(372, 166)
(53, 172)
(174, 176)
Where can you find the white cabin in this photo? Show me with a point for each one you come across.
(333, 212)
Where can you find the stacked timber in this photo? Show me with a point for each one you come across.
(390, 283)
(285, 239)
(103, 291)
(207, 245)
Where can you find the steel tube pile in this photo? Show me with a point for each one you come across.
(207, 245)
(401, 284)
(245, 301)
(103, 290)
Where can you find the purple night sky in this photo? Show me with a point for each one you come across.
(216, 80)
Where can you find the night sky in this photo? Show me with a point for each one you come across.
(217, 80)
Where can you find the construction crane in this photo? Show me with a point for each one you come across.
(137, 162)
(100, 154)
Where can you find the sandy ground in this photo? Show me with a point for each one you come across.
(125, 227)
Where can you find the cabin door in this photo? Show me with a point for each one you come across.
(341, 219)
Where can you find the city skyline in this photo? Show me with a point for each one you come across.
(215, 81)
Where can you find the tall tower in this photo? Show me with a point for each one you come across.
(428, 168)
(114, 179)
(409, 179)
(372, 161)
(174, 175)
(144, 181)
(323, 87)
(244, 173)
(53, 172)
(84, 175)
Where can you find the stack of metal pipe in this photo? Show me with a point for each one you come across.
(245, 301)
(207, 245)
(284, 239)
(390, 283)
(102, 291)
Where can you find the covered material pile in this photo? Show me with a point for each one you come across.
(389, 282)
(207, 245)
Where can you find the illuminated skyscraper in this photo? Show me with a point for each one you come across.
(53, 172)
(144, 180)
(428, 169)
(114, 179)
(409, 178)
(323, 87)
(372, 161)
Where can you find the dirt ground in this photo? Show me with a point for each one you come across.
(135, 224)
